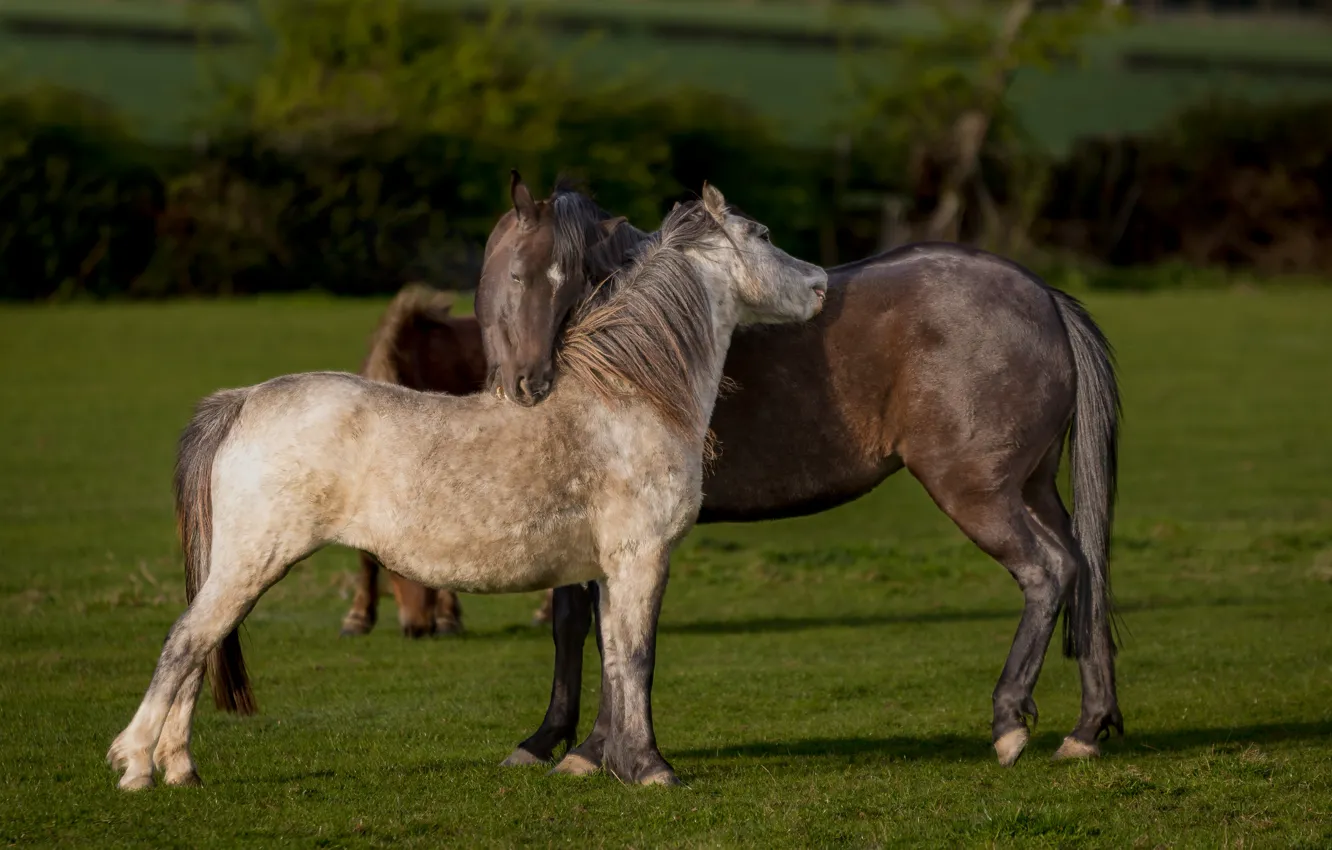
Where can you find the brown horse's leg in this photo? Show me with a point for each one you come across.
(572, 618)
(542, 615)
(416, 606)
(365, 604)
(448, 614)
(1100, 705)
(998, 521)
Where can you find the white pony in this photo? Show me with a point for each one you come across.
(473, 493)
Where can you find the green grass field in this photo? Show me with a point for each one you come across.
(820, 681)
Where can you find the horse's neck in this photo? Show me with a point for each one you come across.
(725, 319)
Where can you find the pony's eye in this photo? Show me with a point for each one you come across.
(517, 278)
(765, 235)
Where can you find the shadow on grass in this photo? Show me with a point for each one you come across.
(756, 625)
(953, 747)
(797, 624)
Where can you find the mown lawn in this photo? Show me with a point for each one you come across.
(821, 681)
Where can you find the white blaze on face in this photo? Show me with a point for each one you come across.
(556, 277)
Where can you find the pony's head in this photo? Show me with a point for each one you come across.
(536, 269)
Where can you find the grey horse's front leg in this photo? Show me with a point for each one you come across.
(630, 606)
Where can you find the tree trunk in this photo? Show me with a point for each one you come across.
(973, 126)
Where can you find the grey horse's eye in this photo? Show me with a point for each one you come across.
(765, 235)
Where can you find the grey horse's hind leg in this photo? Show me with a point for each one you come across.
(219, 608)
(1100, 705)
(172, 755)
(572, 617)
(999, 522)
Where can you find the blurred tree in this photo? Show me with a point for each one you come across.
(935, 108)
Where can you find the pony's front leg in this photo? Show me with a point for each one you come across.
(630, 606)
(365, 605)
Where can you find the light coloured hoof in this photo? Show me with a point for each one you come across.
(664, 777)
(1072, 748)
(355, 626)
(574, 765)
(521, 758)
(185, 780)
(1010, 745)
(136, 783)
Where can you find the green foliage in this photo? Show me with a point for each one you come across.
(78, 197)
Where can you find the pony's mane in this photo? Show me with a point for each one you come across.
(649, 329)
(582, 250)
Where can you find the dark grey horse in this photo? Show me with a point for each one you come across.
(960, 366)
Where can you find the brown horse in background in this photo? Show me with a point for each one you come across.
(421, 346)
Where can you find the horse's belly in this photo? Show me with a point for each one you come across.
(530, 556)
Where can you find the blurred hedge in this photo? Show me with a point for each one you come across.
(374, 149)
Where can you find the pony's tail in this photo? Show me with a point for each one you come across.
(414, 304)
(213, 420)
(1094, 462)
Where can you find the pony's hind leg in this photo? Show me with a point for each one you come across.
(172, 755)
(360, 620)
(448, 614)
(222, 603)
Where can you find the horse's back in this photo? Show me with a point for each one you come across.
(924, 350)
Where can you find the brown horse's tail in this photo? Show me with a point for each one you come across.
(1094, 461)
(212, 422)
(414, 303)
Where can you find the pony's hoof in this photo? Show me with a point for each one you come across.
(521, 758)
(661, 777)
(136, 783)
(356, 626)
(1072, 748)
(574, 765)
(1010, 745)
(448, 628)
(185, 780)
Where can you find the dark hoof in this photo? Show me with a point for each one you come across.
(521, 758)
(416, 631)
(448, 628)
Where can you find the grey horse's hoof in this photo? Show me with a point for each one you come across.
(185, 780)
(136, 783)
(1072, 748)
(1010, 745)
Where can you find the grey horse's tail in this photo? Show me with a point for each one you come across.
(212, 422)
(1094, 461)
(412, 303)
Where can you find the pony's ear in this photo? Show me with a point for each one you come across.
(713, 201)
(523, 204)
(610, 225)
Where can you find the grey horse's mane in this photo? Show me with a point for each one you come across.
(648, 329)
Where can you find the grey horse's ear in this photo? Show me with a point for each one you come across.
(713, 201)
(610, 225)
(523, 204)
